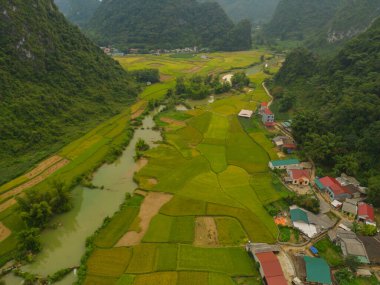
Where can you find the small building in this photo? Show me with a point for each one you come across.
(351, 245)
(299, 176)
(268, 118)
(300, 221)
(336, 204)
(245, 113)
(263, 107)
(284, 164)
(270, 269)
(372, 247)
(279, 141)
(332, 187)
(349, 208)
(317, 271)
(366, 213)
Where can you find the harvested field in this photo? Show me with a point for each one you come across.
(41, 167)
(35, 180)
(149, 208)
(173, 122)
(7, 204)
(4, 232)
(206, 233)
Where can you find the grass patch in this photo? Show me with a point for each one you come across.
(166, 258)
(158, 278)
(215, 154)
(119, 224)
(109, 262)
(182, 206)
(233, 261)
(230, 232)
(191, 278)
(220, 279)
(331, 252)
(98, 280)
(143, 259)
(170, 229)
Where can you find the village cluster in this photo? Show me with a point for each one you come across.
(342, 209)
(111, 51)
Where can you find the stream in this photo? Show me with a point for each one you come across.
(63, 247)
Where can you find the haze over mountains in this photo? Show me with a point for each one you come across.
(256, 11)
(166, 24)
(55, 84)
(322, 23)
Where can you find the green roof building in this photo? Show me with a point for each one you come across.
(298, 215)
(319, 184)
(317, 271)
(283, 164)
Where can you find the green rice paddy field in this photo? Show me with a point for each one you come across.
(215, 166)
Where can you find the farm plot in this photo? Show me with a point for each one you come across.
(230, 231)
(232, 261)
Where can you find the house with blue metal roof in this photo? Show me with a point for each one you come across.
(284, 164)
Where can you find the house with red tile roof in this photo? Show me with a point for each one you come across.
(268, 118)
(366, 213)
(270, 268)
(263, 107)
(335, 190)
(299, 176)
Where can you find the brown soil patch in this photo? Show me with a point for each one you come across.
(41, 167)
(141, 192)
(152, 181)
(206, 233)
(7, 204)
(4, 232)
(194, 69)
(149, 208)
(165, 77)
(35, 180)
(173, 122)
(137, 114)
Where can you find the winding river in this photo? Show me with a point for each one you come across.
(63, 247)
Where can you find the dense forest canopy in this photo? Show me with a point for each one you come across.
(338, 105)
(256, 11)
(78, 11)
(166, 24)
(55, 84)
(321, 24)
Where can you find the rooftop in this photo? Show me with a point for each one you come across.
(268, 111)
(333, 185)
(349, 208)
(285, 162)
(366, 210)
(246, 113)
(317, 270)
(299, 173)
(264, 104)
(272, 269)
(298, 215)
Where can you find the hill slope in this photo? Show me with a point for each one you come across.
(78, 11)
(55, 84)
(322, 23)
(166, 24)
(341, 97)
(257, 11)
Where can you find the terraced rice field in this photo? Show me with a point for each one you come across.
(215, 167)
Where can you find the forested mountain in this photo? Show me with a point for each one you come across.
(55, 84)
(322, 23)
(78, 11)
(166, 24)
(256, 11)
(338, 102)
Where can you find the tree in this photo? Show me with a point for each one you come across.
(141, 145)
(352, 262)
(239, 80)
(61, 200)
(374, 190)
(29, 242)
(38, 215)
